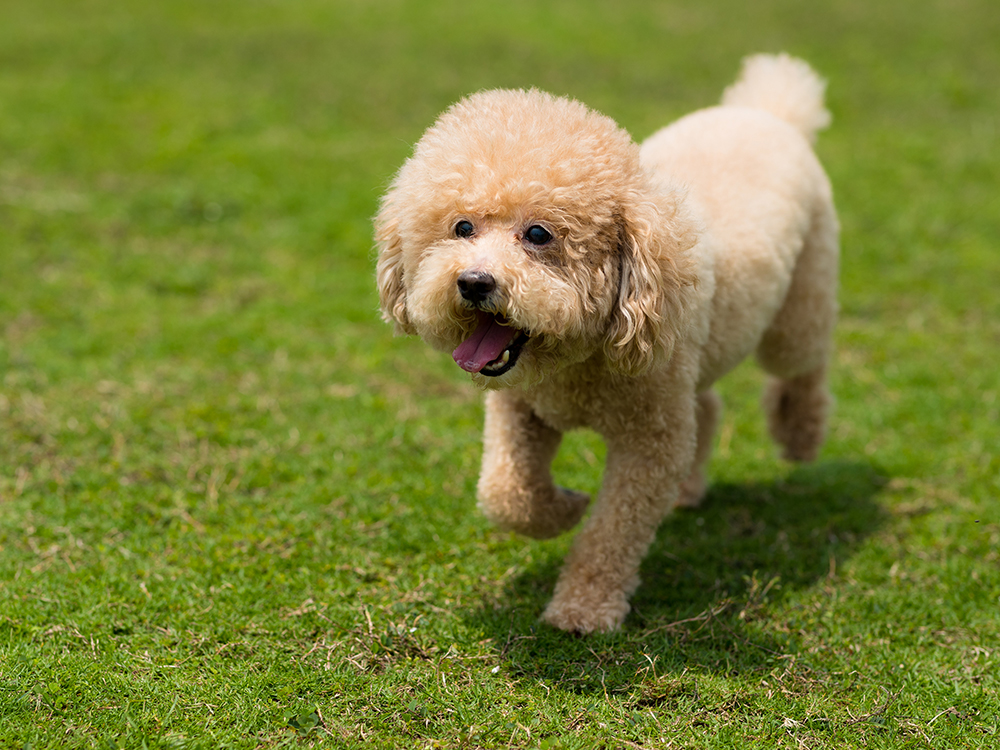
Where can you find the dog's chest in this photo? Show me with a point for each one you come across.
(573, 399)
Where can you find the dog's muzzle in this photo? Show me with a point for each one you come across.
(476, 286)
(493, 347)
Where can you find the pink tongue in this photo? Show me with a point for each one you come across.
(485, 344)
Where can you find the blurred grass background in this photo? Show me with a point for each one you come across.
(235, 512)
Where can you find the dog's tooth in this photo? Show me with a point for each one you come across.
(506, 357)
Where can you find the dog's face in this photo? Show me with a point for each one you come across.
(523, 236)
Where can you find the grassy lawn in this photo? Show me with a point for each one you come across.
(236, 512)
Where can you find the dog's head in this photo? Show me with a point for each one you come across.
(523, 235)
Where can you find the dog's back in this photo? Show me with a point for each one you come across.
(759, 191)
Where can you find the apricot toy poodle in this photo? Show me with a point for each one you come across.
(586, 281)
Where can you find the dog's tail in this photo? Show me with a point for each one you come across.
(784, 86)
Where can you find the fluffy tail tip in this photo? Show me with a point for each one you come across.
(784, 86)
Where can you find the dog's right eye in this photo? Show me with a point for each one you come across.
(464, 229)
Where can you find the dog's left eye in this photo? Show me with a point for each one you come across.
(538, 235)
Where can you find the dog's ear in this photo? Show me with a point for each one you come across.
(389, 268)
(656, 282)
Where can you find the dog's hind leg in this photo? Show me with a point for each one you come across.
(796, 348)
(516, 491)
(707, 408)
(796, 413)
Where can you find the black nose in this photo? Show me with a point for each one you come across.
(476, 286)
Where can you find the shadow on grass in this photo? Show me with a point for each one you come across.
(706, 583)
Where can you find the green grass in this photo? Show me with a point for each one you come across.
(235, 512)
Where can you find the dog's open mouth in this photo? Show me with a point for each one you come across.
(493, 347)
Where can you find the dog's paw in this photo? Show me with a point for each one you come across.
(562, 514)
(692, 490)
(571, 506)
(541, 519)
(585, 616)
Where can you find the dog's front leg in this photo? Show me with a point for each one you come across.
(515, 487)
(641, 484)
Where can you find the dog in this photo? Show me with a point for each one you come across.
(583, 280)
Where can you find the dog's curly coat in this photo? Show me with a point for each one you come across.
(589, 282)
